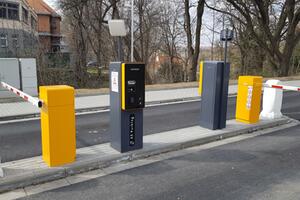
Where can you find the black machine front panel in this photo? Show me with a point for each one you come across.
(134, 86)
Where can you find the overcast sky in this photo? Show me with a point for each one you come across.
(51, 2)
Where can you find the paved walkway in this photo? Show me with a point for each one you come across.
(18, 109)
(22, 173)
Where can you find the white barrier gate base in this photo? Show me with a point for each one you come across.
(272, 100)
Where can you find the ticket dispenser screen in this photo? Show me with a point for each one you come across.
(133, 86)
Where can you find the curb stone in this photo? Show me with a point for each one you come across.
(93, 163)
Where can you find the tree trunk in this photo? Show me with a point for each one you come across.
(171, 76)
(193, 52)
(284, 65)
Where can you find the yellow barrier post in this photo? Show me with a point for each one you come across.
(249, 99)
(200, 77)
(58, 125)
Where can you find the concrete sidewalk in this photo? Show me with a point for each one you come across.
(26, 172)
(96, 102)
(86, 103)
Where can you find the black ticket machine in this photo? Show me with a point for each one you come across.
(127, 100)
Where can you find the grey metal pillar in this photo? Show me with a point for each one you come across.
(214, 95)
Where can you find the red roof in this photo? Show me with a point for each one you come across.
(40, 7)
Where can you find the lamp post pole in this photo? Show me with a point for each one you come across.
(117, 29)
(132, 29)
(226, 45)
(120, 49)
(226, 36)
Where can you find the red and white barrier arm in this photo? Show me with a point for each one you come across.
(35, 101)
(283, 87)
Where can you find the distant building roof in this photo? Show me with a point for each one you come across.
(42, 8)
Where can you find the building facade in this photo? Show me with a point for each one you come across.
(48, 26)
(18, 29)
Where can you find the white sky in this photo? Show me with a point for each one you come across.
(51, 2)
(205, 36)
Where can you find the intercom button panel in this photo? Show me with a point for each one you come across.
(133, 86)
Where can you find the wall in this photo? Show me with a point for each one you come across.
(44, 23)
(26, 44)
(55, 25)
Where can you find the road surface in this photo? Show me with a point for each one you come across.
(266, 167)
(22, 140)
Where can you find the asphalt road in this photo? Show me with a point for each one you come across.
(23, 140)
(266, 167)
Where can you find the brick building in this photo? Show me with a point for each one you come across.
(48, 26)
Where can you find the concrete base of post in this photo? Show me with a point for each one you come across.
(272, 101)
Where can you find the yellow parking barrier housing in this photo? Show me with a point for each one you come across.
(249, 99)
(58, 125)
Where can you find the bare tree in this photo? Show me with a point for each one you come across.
(212, 25)
(252, 56)
(193, 37)
(97, 33)
(273, 24)
(75, 11)
(172, 32)
(145, 33)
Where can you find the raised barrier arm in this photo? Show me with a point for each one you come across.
(283, 87)
(34, 101)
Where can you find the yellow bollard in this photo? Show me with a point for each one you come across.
(58, 125)
(249, 99)
(200, 77)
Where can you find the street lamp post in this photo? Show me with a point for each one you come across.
(132, 29)
(226, 36)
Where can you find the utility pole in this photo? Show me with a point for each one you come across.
(226, 36)
(132, 30)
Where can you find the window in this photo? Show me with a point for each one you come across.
(55, 49)
(9, 11)
(3, 13)
(3, 41)
(15, 43)
(53, 25)
(13, 11)
(24, 15)
(33, 23)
